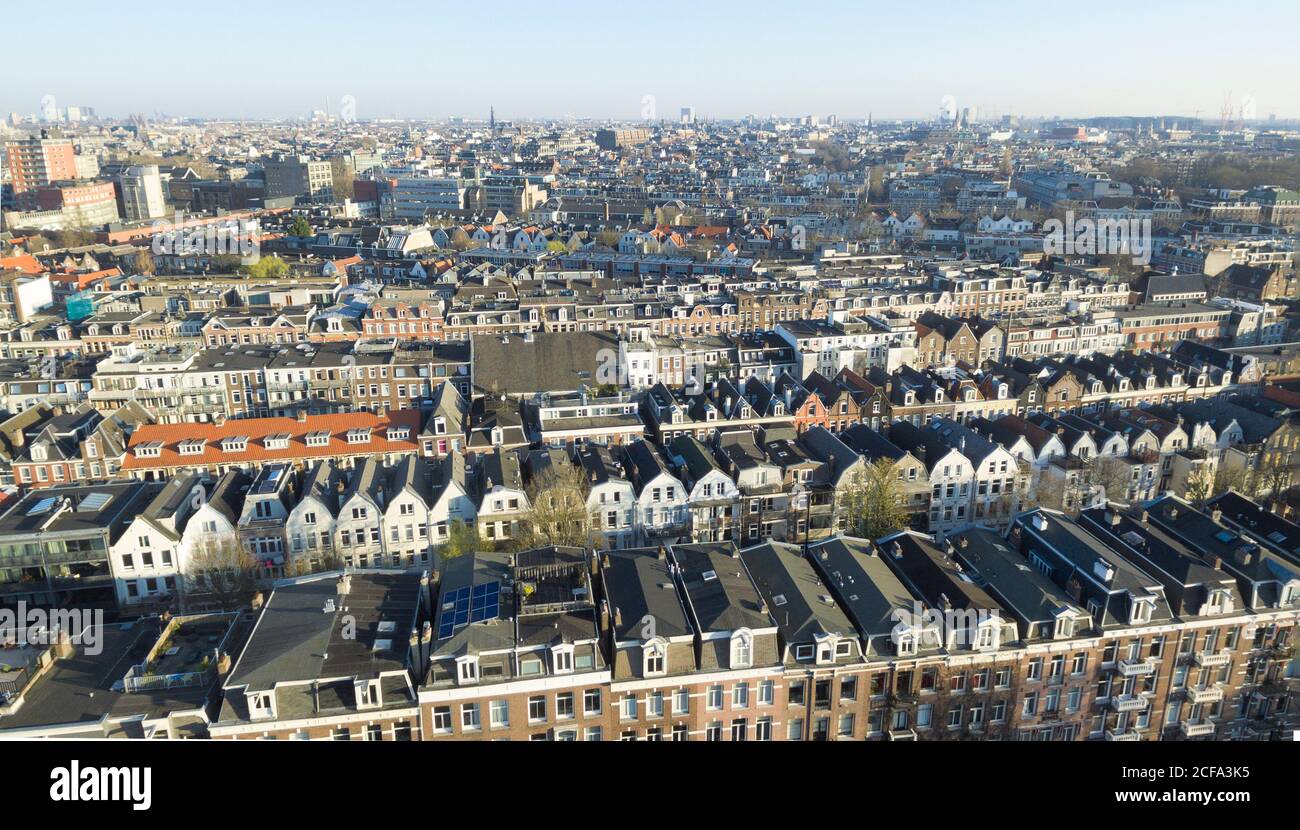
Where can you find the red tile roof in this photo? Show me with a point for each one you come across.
(257, 429)
(26, 263)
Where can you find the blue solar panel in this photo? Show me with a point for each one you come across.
(466, 605)
(486, 603)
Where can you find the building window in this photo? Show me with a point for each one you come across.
(564, 705)
(655, 659)
(591, 702)
(741, 650)
(536, 709)
(499, 711)
(442, 719)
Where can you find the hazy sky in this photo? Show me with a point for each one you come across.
(602, 59)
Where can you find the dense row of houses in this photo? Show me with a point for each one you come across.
(369, 491)
(1163, 622)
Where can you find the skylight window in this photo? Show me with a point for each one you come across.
(94, 501)
(42, 506)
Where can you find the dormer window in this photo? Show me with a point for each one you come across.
(825, 652)
(1218, 602)
(278, 441)
(1291, 593)
(261, 705)
(317, 439)
(191, 446)
(986, 636)
(467, 669)
(742, 650)
(1141, 612)
(905, 644)
(368, 694)
(237, 443)
(654, 658)
(152, 449)
(358, 436)
(1064, 628)
(398, 433)
(562, 659)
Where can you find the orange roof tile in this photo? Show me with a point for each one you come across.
(26, 263)
(258, 429)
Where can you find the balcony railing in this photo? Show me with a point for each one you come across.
(1213, 659)
(1124, 735)
(1196, 730)
(1129, 703)
(1209, 694)
(1136, 668)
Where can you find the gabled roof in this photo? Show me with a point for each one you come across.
(720, 595)
(796, 597)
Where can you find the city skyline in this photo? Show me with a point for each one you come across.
(588, 63)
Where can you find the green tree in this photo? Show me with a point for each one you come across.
(873, 503)
(266, 268)
(300, 226)
(462, 538)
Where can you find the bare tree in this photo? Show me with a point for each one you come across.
(142, 261)
(221, 571)
(1199, 486)
(559, 516)
(1274, 474)
(342, 179)
(1242, 479)
(873, 504)
(1112, 474)
(1050, 492)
